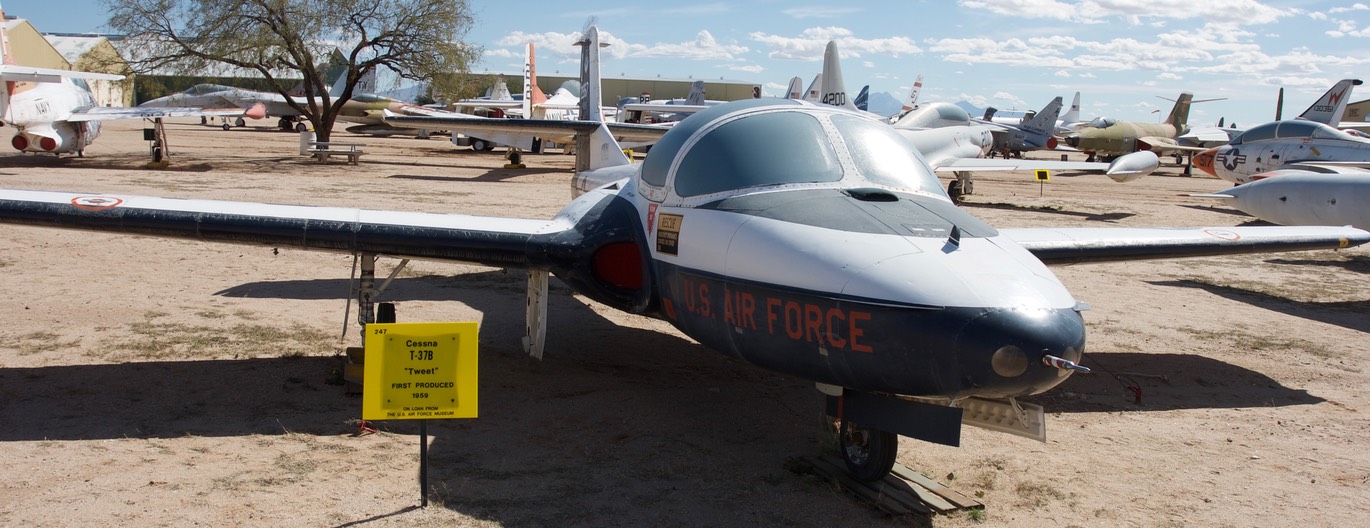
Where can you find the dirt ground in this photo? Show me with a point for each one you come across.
(155, 382)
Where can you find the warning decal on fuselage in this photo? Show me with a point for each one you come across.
(668, 233)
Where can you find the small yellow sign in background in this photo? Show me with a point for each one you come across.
(420, 371)
(1043, 175)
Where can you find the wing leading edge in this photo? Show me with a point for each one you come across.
(476, 239)
(1060, 246)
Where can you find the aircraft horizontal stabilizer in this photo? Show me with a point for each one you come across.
(11, 72)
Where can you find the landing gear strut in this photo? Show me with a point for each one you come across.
(868, 453)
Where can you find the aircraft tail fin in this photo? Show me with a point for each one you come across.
(532, 94)
(1072, 115)
(368, 82)
(1279, 105)
(1045, 120)
(815, 89)
(796, 88)
(500, 91)
(696, 96)
(833, 87)
(1179, 114)
(1329, 108)
(862, 100)
(912, 101)
(599, 149)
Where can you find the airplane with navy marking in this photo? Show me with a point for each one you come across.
(805, 239)
(54, 112)
(1309, 143)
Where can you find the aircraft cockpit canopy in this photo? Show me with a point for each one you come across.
(371, 98)
(1103, 122)
(201, 89)
(727, 150)
(1287, 129)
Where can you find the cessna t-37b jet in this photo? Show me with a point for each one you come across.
(805, 239)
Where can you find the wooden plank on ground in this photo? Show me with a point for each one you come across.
(903, 491)
(955, 497)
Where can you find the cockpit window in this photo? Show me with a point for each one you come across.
(883, 157)
(1297, 129)
(1260, 133)
(760, 150)
(201, 89)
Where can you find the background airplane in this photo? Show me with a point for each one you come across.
(1033, 132)
(363, 108)
(1309, 142)
(54, 112)
(1109, 137)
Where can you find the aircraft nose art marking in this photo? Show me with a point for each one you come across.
(96, 203)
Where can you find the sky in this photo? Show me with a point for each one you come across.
(1011, 54)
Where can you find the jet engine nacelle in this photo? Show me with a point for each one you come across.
(52, 139)
(605, 256)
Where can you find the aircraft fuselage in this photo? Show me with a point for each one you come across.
(40, 112)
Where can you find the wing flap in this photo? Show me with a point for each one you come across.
(1059, 246)
(483, 240)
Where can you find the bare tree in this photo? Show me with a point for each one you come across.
(280, 39)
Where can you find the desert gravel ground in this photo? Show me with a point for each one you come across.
(153, 382)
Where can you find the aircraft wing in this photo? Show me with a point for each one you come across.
(1165, 144)
(1124, 169)
(1060, 246)
(476, 239)
(664, 108)
(531, 127)
(101, 113)
(997, 164)
(1209, 135)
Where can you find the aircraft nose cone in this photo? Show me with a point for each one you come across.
(1204, 161)
(1073, 140)
(1001, 352)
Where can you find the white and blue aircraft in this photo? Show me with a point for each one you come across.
(805, 239)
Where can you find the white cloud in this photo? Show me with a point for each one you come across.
(1101, 11)
(1354, 7)
(812, 41)
(749, 68)
(1167, 76)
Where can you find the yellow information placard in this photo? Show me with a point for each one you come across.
(420, 371)
(1043, 175)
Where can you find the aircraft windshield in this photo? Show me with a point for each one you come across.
(201, 89)
(765, 149)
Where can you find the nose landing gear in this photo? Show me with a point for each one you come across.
(868, 453)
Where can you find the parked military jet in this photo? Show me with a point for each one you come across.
(801, 238)
(1033, 132)
(1109, 137)
(54, 111)
(1304, 143)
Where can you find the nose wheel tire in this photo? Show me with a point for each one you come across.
(869, 453)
